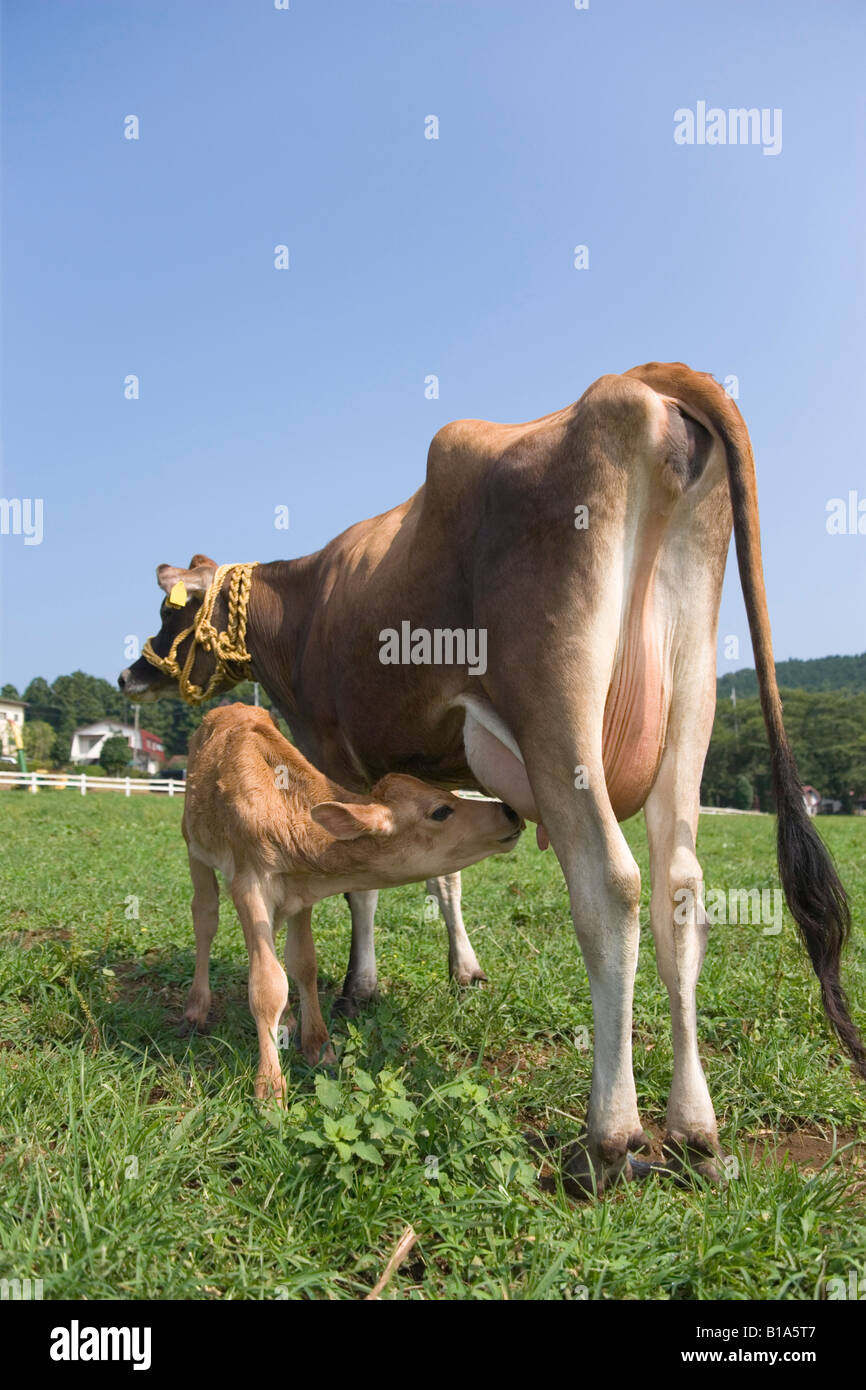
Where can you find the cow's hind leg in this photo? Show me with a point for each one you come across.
(205, 919)
(679, 926)
(361, 981)
(463, 964)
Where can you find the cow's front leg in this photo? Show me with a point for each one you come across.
(463, 965)
(360, 983)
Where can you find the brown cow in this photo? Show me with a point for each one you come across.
(589, 548)
(284, 836)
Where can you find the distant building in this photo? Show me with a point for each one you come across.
(11, 712)
(152, 751)
(829, 806)
(811, 800)
(146, 750)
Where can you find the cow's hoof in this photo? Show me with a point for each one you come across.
(350, 1005)
(595, 1166)
(694, 1155)
(640, 1142)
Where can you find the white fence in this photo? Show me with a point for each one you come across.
(80, 782)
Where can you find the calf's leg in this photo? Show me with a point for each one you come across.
(268, 986)
(205, 919)
(301, 966)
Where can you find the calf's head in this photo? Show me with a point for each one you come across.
(411, 830)
(184, 591)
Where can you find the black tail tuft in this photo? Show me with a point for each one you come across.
(816, 898)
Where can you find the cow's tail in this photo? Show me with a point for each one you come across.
(814, 892)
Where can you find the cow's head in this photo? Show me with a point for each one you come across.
(184, 590)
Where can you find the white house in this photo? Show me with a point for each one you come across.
(811, 800)
(11, 712)
(146, 749)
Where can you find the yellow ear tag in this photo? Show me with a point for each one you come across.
(177, 597)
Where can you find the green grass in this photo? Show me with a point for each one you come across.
(137, 1165)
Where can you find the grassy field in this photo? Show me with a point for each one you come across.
(136, 1164)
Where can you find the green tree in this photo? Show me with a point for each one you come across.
(9, 693)
(88, 698)
(827, 732)
(115, 755)
(744, 793)
(62, 748)
(42, 701)
(39, 739)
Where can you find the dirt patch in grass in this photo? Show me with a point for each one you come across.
(515, 1064)
(137, 982)
(34, 936)
(809, 1148)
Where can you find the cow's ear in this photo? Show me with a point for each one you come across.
(195, 582)
(202, 560)
(347, 820)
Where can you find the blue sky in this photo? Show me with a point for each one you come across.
(305, 388)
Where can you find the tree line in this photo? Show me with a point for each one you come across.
(57, 710)
(827, 730)
(819, 673)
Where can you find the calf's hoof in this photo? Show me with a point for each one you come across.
(318, 1052)
(271, 1086)
(465, 975)
(191, 1024)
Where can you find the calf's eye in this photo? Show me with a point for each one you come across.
(442, 813)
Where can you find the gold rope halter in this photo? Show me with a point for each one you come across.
(228, 648)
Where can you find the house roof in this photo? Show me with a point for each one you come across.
(100, 725)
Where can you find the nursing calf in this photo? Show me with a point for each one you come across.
(284, 836)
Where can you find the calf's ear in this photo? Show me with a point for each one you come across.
(347, 821)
